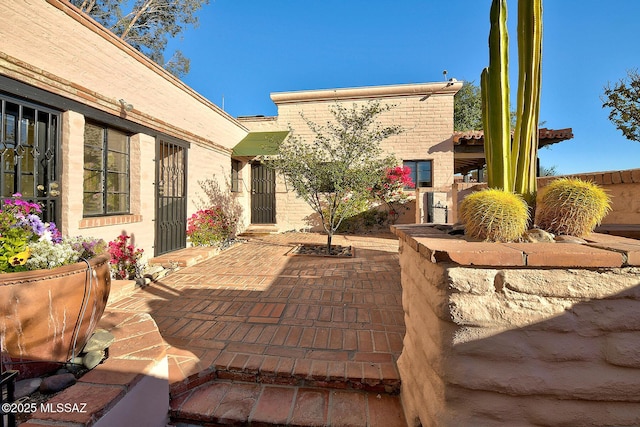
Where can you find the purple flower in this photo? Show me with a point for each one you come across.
(37, 225)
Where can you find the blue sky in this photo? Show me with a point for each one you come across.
(245, 49)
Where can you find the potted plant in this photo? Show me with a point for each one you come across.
(53, 290)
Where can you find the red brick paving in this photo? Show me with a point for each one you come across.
(254, 314)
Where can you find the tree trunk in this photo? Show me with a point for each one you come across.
(329, 237)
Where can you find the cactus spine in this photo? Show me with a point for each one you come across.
(494, 215)
(571, 206)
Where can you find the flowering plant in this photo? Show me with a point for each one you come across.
(28, 243)
(125, 258)
(390, 190)
(209, 227)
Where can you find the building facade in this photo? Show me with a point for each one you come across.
(108, 141)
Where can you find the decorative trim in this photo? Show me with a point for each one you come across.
(104, 221)
(420, 89)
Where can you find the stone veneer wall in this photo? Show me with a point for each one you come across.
(519, 334)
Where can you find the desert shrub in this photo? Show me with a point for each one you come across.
(223, 201)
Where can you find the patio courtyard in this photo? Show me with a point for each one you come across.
(254, 335)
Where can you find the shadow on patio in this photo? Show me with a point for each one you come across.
(255, 315)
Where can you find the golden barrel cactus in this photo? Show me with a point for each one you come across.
(572, 207)
(494, 215)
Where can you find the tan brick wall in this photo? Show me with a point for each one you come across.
(139, 224)
(425, 112)
(50, 45)
(526, 347)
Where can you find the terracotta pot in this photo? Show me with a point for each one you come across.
(48, 315)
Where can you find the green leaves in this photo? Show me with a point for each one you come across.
(335, 171)
(623, 98)
(147, 24)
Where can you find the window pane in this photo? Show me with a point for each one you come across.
(412, 168)
(92, 181)
(235, 175)
(117, 182)
(117, 162)
(93, 203)
(117, 141)
(26, 185)
(424, 174)
(93, 135)
(9, 188)
(117, 203)
(93, 158)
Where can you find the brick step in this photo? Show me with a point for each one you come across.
(259, 230)
(379, 376)
(232, 403)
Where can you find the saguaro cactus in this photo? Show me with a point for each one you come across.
(511, 164)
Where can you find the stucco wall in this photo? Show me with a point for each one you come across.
(518, 346)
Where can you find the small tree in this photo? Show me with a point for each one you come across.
(335, 172)
(467, 108)
(147, 24)
(623, 99)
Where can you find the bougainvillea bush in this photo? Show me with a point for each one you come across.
(125, 258)
(390, 190)
(209, 227)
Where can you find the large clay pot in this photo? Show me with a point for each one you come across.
(48, 315)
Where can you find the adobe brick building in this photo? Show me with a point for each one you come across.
(111, 143)
(425, 112)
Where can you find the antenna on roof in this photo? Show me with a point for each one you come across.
(444, 73)
(223, 102)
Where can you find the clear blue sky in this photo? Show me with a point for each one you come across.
(245, 49)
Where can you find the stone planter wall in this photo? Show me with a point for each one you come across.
(519, 334)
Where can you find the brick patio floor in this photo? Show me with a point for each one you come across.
(283, 328)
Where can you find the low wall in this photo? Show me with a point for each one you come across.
(519, 334)
(622, 186)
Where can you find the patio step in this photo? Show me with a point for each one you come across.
(376, 372)
(233, 403)
(259, 230)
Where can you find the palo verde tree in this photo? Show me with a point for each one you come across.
(334, 173)
(623, 98)
(147, 24)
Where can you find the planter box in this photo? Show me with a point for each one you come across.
(47, 315)
(519, 334)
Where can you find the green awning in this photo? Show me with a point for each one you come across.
(260, 143)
